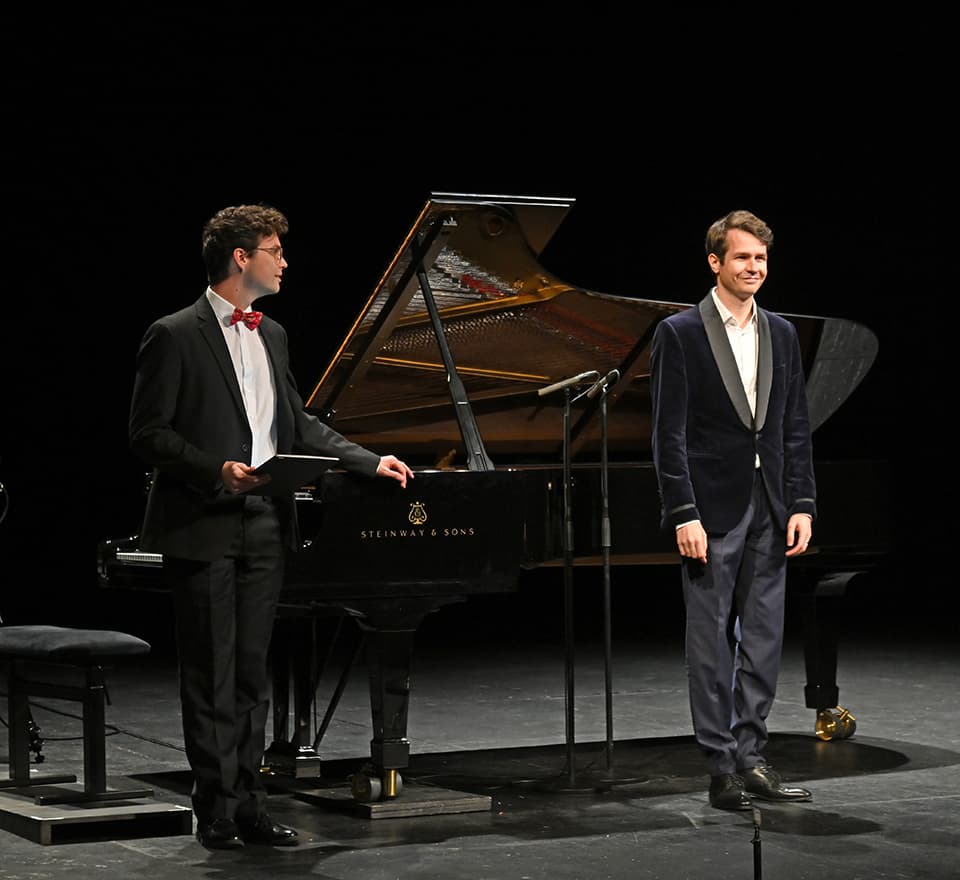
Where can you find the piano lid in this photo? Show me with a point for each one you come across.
(512, 328)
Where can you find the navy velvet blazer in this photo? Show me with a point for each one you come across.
(187, 418)
(705, 440)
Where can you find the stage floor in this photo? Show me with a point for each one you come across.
(489, 722)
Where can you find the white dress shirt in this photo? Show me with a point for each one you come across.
(255, 376)
(743, 342)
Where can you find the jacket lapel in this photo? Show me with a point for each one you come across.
(764, 368)
(723, 356)
(273, 343)
(211, 332)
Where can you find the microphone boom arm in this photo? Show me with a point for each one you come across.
(566, 383)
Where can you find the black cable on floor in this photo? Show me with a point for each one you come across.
(109, 729)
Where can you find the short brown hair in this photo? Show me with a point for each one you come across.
(717, 233)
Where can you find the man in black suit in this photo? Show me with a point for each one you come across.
(213, 398)
(733, 454)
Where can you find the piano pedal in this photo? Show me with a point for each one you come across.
(836, 723)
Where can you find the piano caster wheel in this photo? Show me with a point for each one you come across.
(367, 788)
(835, 724)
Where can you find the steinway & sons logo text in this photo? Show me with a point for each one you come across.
(418, 528)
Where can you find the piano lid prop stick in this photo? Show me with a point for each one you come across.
(566, 383)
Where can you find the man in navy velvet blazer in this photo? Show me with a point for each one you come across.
(213, 398)
(733, 454)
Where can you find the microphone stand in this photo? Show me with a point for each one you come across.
(568, 635)
(605, 547)
(757, 859)
(602, 386)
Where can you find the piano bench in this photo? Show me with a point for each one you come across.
(67, 664)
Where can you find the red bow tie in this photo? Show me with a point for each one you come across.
(251, 319)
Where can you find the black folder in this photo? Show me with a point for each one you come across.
(291, 472)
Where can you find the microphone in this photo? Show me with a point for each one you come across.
(604, 383)
(573, 380)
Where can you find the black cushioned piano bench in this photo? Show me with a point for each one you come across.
(67, 664)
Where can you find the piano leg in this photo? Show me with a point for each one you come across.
(822, 595)
(294, 656)
(389, 630)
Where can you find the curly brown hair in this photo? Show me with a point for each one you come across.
(243, 226)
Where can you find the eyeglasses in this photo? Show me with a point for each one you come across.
(275, 252)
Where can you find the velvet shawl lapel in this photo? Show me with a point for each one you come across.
(723, 356)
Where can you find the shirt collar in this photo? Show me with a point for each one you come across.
(726, 315)
(221, 308)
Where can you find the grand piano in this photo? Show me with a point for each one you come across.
(495, 379)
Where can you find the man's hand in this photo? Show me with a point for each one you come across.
(391, 466)
(239, 477)
(692, 541)
(799, 533)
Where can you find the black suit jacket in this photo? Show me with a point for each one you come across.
(187, 418)
(705, 440)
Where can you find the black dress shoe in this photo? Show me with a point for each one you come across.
(219, 834)
(764, 782)
(726, 793)
(264, 830)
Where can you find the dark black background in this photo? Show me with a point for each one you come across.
(124, 133)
